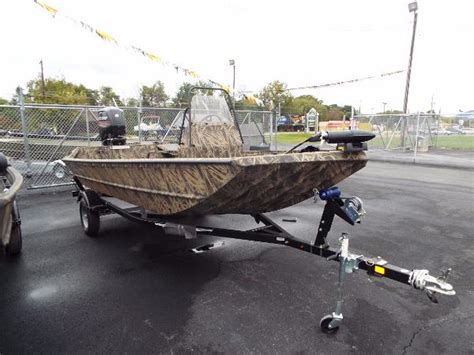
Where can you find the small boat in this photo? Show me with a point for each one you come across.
(10, 230)
(208, 172)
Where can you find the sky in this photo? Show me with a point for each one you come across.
(298, 42)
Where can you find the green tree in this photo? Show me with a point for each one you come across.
(131, 102)
(3, 101)
(107, 97)
(335, 113)
(153, 96)
(275, 93)
(302, 104)
(396, 112)
(347, 109)
(92, 96)
(58, 91)
(183, 95)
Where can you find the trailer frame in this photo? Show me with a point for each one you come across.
(350, 209)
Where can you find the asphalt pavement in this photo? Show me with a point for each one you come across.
(135, 290)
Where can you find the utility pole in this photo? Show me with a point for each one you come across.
(42, 80)
(384, 104)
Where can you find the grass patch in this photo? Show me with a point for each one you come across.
(455, 142)
(292, 138)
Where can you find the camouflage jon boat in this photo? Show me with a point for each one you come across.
(208, 172)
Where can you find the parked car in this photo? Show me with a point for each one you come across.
(455, 130)
(440, 132)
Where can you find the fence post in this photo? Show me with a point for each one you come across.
(25, 133)
(273, 138)
(416, 136)
(139, 119)
(87, 128)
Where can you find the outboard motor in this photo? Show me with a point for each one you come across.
(3, 164)
(111, 126)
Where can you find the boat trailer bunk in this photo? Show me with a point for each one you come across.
(92, 205)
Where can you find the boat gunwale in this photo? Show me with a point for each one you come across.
(196, 160)
(148, 160)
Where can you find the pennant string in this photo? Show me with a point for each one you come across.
(48, 8)
(187, 72)
(346, 81)
(107, 37)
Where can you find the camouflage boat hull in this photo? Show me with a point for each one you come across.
(177, 185)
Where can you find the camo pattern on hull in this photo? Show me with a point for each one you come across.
(143, 176)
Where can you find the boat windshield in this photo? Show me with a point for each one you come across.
(212, 124)
(210, 110)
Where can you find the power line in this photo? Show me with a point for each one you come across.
(346, 81)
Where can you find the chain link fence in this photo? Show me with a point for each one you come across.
(399, 131)
(36, 137)
(256, 128)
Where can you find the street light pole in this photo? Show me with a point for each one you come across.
(384, 104)
(232, 63)
(412, 7)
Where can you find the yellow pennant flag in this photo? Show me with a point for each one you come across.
(105, 36)
(250, 99)
(154, 57)
(225, 87)
(48, 8)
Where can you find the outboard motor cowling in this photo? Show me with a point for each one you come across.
(3, 164)
(111, 126)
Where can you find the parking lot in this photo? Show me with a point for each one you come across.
(135, 290)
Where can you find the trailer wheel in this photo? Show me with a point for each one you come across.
(90, 219)
(324, 324)
(15, 244)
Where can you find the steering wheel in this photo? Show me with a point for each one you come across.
(209, 118)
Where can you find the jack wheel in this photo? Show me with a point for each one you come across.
(90, 220)
(325, 325)
(15, 244)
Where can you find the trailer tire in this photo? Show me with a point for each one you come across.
(90, 220)
(14, 246)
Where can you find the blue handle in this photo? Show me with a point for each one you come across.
(330, 194)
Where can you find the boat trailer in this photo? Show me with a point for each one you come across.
(350, 209)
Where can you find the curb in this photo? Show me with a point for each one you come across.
(446, 163)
